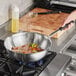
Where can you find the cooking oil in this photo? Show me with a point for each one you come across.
(15, 25)
(15, 19)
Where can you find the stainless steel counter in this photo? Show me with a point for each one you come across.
(57, 66)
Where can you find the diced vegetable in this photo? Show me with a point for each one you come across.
(28, 48)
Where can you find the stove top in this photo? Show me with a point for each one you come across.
(12, 67)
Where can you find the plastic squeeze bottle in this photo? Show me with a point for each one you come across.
(15, 19)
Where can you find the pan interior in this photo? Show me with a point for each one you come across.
(24, 38)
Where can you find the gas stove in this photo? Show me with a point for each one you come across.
(12, 67)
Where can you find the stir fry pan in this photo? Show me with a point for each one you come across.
(23, 38)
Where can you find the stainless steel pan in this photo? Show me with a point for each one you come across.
(22, 38)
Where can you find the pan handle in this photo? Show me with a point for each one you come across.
(62, 28)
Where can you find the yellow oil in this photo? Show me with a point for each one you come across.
(15, 25)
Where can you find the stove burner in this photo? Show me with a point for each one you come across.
(12, 67)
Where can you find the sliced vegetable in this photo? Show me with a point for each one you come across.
(28, 48)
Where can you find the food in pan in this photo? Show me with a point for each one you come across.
(28, 48)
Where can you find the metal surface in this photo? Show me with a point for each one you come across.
(71, 69)
(70, 48)
(24, 38)
(57, 66)
(64, 2)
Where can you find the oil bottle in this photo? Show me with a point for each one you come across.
(15, 19)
